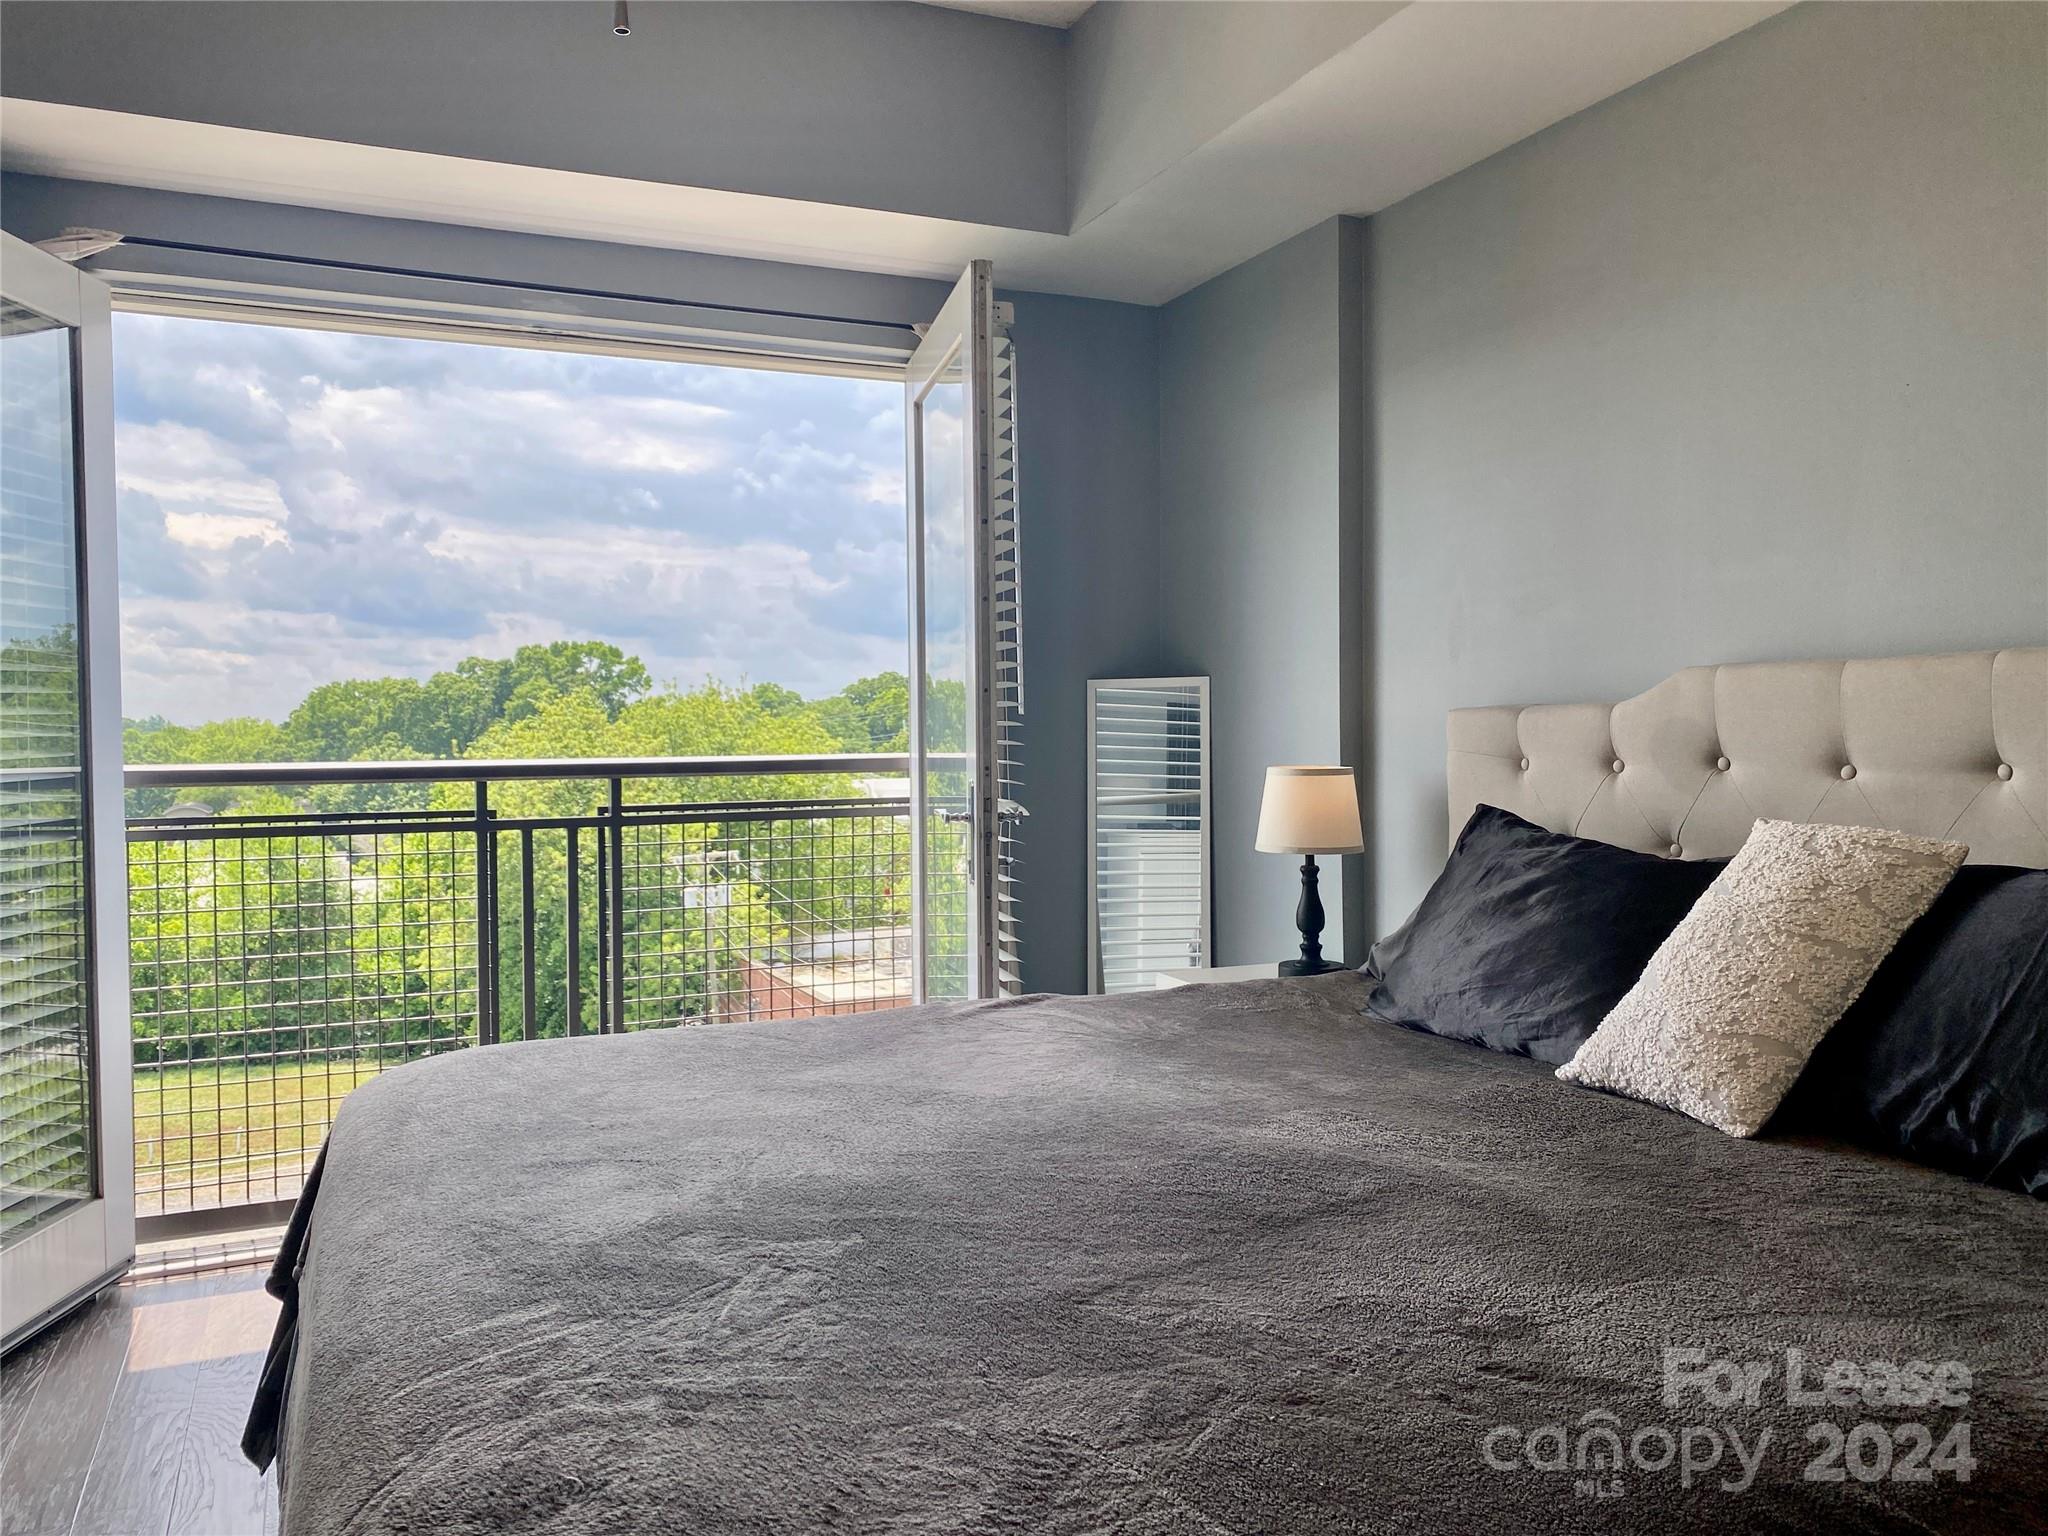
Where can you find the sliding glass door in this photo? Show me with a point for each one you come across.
(952, 466)
(66, 1162)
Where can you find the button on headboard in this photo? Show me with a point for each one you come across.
(1945, 746)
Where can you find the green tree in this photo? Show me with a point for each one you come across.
(241, 739)
(356, 940)
(775, 699)
(703, 897)
(871, 714)
(348, 720)
(362, 718)
(606, 674)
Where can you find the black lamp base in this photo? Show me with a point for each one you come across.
(1308, 917)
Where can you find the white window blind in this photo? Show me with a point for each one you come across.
(1008, 654)
(1148, 829)
(45, 1020)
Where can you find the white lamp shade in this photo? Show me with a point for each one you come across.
(1310, 810)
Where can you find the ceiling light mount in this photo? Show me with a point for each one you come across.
(621, 26)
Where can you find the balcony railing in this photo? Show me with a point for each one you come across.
(297, 929)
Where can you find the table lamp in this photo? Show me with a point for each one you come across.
(1309, 810)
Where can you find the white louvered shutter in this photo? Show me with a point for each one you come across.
(67, 1205)
(1008, 654)
(45, 1019)
(1148, 829)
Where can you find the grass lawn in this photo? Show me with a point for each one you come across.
(224, 1133)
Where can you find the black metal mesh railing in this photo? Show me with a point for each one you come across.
(309, 935)
(273, 967)
(823, 887)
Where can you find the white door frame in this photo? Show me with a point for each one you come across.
(964, 328)
(77, 1252)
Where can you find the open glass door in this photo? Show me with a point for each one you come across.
(67, 1210)
(949, 394)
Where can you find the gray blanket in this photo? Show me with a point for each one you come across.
(1222, 1259)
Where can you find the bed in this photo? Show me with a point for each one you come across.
(1229, 1258)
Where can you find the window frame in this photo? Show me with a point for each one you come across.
(258, 290)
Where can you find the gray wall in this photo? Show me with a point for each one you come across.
(881, 105)
(1088, 482)
(1087, 441)
(1748, 362)
(1149, 84)
(35, 207)
(1260, 485)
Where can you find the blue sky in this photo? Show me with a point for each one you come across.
(298, 506)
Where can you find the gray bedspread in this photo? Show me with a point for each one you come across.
(1222, 1259)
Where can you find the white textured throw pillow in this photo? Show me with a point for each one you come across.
(1734, 1001)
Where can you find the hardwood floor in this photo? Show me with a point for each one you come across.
(125, 1420)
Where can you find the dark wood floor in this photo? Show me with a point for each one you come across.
(124, 1419)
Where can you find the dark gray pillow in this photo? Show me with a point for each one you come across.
(1529, 938)
(1944, 1058)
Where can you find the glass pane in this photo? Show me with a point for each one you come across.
(948, 602)
(45, 1020)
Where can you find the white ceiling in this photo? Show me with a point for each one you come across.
(1041, 13)
(1427, 92)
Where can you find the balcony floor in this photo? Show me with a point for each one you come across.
(126, 1417)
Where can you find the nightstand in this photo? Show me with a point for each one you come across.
(1203, 976)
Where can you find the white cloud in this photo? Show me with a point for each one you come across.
(219, 530)
(302, 506)
(175, 462)
(655, 433)
(209, 496)
(883, 487)
(341, 418)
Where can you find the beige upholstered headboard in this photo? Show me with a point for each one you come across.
(1945, 746)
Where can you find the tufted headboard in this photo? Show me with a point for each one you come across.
(1945, 746)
